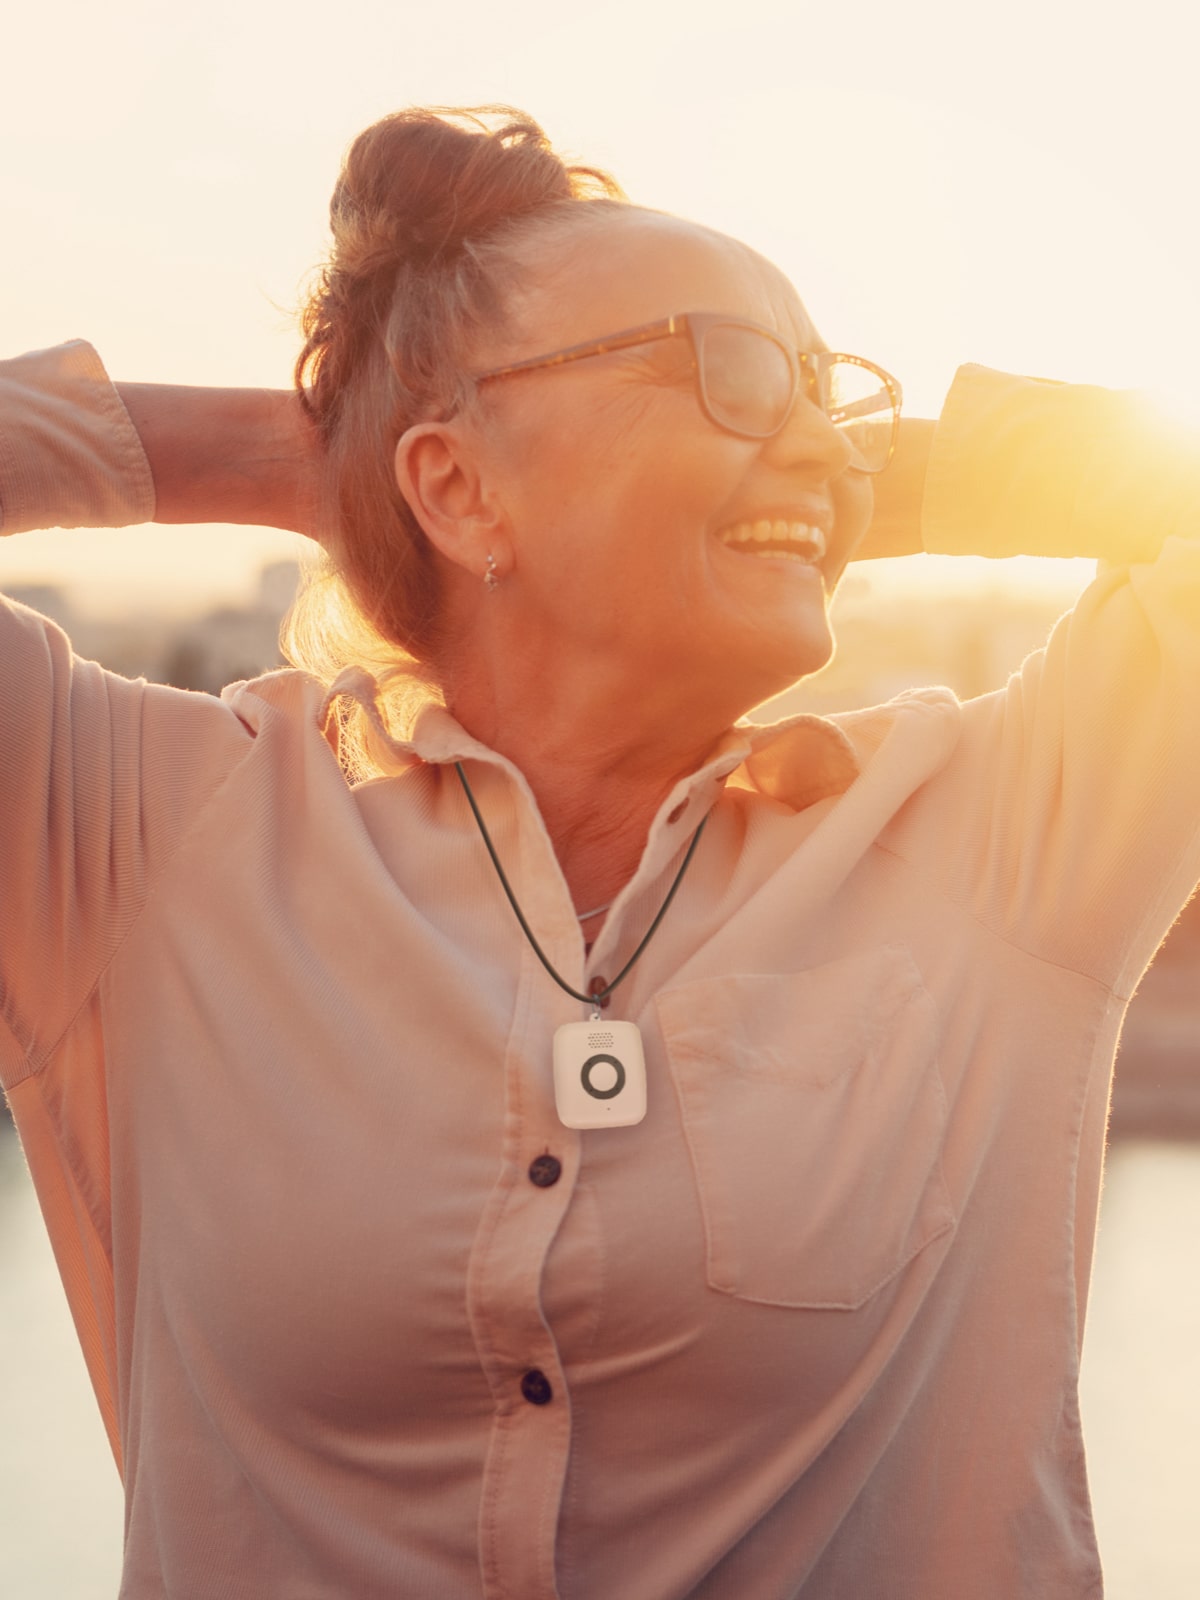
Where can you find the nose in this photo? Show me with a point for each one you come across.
(809, 439)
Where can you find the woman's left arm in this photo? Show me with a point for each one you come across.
(1025, 466)
(895, 528)
(1000, 473)
(1077, 786)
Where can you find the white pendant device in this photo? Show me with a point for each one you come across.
(599, 1067)
(599, 1074)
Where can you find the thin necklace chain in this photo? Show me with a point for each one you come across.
(602, 994)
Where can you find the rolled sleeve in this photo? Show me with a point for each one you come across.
(69, 454)
(1026, 466)
(1081, 777)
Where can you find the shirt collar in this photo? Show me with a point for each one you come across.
(798, 761)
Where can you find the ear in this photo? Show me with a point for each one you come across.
(447, 490)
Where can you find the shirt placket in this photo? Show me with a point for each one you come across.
(530, 1437)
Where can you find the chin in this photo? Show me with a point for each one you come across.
(803, 652)
(757, 675)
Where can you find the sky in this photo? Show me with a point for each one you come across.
(944, 182)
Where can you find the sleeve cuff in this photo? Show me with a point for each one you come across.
(1025, 466)
(69, 454)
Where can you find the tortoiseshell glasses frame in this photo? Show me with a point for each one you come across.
(868, 412)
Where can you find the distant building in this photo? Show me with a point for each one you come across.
(1156, 1094)
(47, 598)
(229, 643)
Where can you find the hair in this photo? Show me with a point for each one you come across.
(432, 215)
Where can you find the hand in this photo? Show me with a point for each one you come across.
(895, 528)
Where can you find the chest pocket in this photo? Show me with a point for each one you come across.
(814, 1114)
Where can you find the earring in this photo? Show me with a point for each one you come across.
(490, 581)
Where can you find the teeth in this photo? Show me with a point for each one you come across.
(808, 540)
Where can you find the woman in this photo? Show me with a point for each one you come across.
(387, 1286)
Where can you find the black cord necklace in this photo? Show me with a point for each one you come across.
(603, 994)
(599, 1067)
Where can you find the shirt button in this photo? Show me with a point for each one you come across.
(535, 1386)
(545, 1170)
(675, 814)
(597, 987)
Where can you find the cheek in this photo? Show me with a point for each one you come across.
(615, 490)
(631, 501)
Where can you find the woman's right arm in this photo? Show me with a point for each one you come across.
(228, 455)
(69, 456)
(100, 776)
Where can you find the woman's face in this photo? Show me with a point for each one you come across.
(618, 489)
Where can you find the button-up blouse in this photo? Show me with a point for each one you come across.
(364, 1318)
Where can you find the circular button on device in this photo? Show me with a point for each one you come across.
(545, 1170)
(535, 1386)
(617, 1074)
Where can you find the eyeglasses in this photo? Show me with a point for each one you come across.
(747, 380)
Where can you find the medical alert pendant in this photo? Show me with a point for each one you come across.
(599, 1074)
(599, 1068)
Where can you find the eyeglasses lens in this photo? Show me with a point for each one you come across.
(747, 380)
(748, 388)
(857, 402)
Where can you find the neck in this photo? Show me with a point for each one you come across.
(599, 766)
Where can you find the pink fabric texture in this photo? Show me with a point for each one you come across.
(281, 1063)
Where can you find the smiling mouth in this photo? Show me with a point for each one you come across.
(795, 541)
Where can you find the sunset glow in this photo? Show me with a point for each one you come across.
(937, 197)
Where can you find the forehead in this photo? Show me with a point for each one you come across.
(632, 266)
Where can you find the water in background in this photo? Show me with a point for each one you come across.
(60, 1501)
(60, 1504)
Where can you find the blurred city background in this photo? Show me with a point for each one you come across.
(62, 1512)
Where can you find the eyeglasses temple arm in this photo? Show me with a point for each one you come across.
(601, 347)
